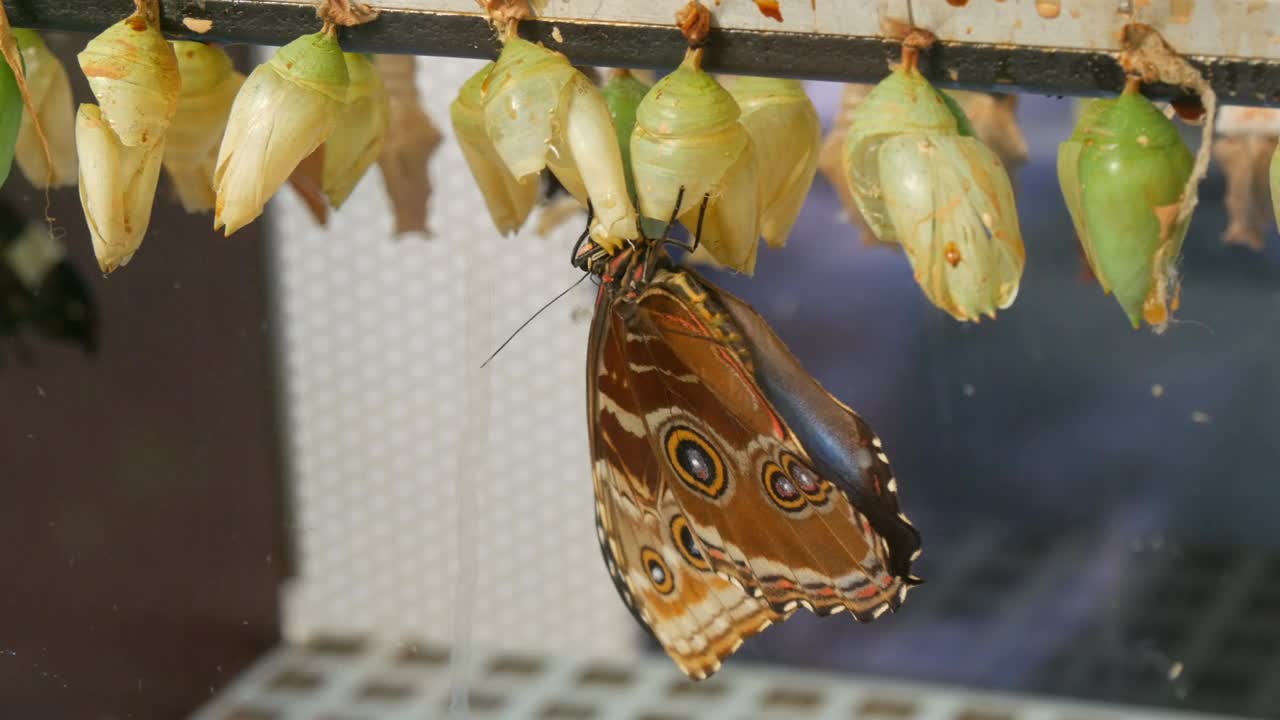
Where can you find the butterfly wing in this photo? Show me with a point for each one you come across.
(840, 443)
(681, 426)
(658, 566)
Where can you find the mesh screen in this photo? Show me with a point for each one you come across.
(377, 402)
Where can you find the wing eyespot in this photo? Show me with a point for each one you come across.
(656, 570)
(696, 462)
(781, 489)
(687, 543)
(806, 479)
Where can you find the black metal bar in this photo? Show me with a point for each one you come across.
(1008, 68)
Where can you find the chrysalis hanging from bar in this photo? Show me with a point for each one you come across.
(787, 134)
(411, 140)
(10, 118)
(50, 89)
(687, 136)
(542, 112)
(133, 73)
(508, 200)
(831, 161)
(284, 111)
(994, 119)
(1244, 148)
(360, 131)
(922, 179)
(209, 87)
(1123, 173)
(623, 93)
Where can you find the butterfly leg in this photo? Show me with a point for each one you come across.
(697, 234)
(651, 258)
(586, 233)
(702, 214)
(666, 231)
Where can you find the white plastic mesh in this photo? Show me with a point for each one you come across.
(374, 334)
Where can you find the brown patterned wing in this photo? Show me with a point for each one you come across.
(767, 517)
(658, 565)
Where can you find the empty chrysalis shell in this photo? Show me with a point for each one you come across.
(286, 109)
(1123, 172)
(622, 95)
(209, 87)
(411, 140)
(995, 121)
(920, 178)
(117, 187)
(687, 135)
(831, 160)
(133, 73)
(540, 111)
(787, 135)
(1243, 150)
(359, 133)
(509, 200)
(50, 90)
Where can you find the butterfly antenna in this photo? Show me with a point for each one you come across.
(525, 324)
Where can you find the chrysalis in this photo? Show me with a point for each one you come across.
(411, 140)
(921, 178)
(10, 118)
(787, 135)
(1122, 174)
(623, 93)
(133, 73)
(995, 121)
(831, 159)
(509, 200)
(117, 187)
(54, 109)
(284, 111)
(360, 131)
(209, 87)
(1244, 148)
(540, 111)
(687, 135)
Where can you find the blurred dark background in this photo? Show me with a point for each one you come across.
(1097, 503)
(141, 533)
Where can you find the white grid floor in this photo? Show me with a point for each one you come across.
(356, 678)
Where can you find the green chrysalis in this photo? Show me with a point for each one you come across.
(10, 118)
(1123, 172)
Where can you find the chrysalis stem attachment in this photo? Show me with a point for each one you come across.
(693, 57)
(344, 13)
(915, 41)
(148, 9)
(694, 21)
(505, 15)
(1149, 56)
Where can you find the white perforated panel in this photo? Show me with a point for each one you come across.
(374, 335)
(351, 678)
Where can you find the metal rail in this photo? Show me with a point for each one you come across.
(734, 50)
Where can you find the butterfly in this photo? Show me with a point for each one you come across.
(730, 488)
